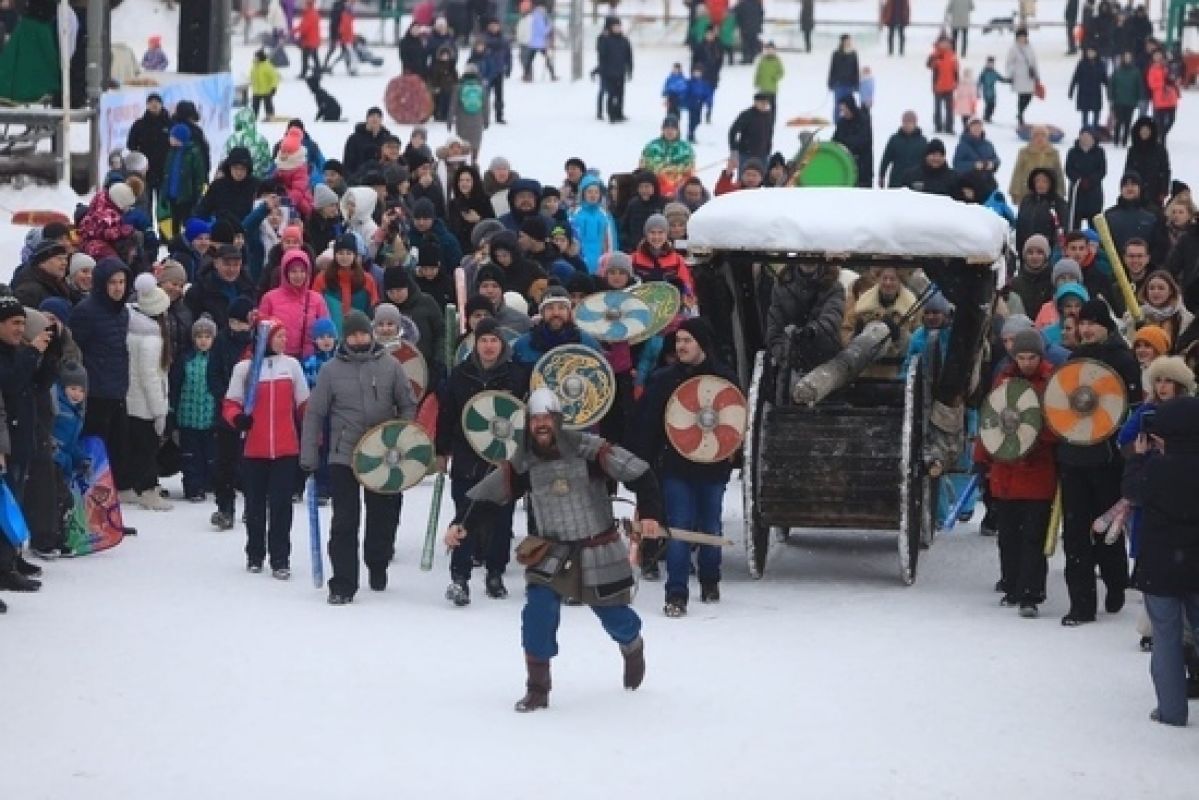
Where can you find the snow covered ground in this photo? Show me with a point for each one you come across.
(163, 669)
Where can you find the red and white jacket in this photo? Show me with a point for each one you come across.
(278, 406)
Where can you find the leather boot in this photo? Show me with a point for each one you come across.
(634, 663)
(537, 686)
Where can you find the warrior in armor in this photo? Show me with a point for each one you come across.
(577, 552)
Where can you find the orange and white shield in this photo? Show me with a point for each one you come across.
(1085, 401)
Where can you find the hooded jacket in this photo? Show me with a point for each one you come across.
(354, 392)
(429, 319)
(148, 395)
(296, 307)
(227, 198)
(593, 226)
(1027, 160)
(99, 325)
(1150, 159)
(150, 135)
(1086, 169)
(854, 133)
(1041, 213)
(245, 134)
(357, 206)
(513, 218)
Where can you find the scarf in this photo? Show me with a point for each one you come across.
(1159, 315)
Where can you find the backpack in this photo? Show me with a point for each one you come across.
(470, 97)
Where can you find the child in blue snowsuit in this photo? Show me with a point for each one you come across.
(675, 89)
(987, 79)
(700, 94)
(324, 336)
(70, 405)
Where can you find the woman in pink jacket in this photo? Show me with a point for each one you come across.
(1164, 90)
(294, 303)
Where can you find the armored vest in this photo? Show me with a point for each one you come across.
(568, 501)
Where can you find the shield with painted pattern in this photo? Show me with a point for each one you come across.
(1010, 420)
(493, 423)
(581, 378)
(613, 316)
(705, 419)
(392, 456)
(1084, 401)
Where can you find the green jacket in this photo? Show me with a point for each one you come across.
(729, 32)
(245, 134)
(768, 74)
(1127, 86)
(660, 154)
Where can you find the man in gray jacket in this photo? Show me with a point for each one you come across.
(361, 387)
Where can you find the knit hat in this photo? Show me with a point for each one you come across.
(1036, 241)
(323, 327)
(550, 191)
(240, 157)
(136, 162)
(656, 222)
(1096, 311)
(57, 306)
(396, 278)
(676, 212)
(753, 165)
(229, 252)
(347, 241)
(387, 312)
(489, 272)
(122, 196)
(72, 373)
(181, 133)
(80, 262)
(291, 141)
(293, 231)
(196, 227)
(1067, 267)
(935, 146)
(499, 162)
(937, 302)
(10, 307)
(1172, 368)
(240, 308)
(1014, 324)
(45, 250)
(484, 229)
(333, 165)
(535, 228)
(423, 209)
(428, 254)
(487, 327)
(151, 300)
(478, 303)
(323, 197)
(172, 272)
(224, 231)
(355, 322)
(35, 323)
(555, 294)
(1028, 341)
(204, 324)
(616, 260)
(701, 330)
(1154, 336)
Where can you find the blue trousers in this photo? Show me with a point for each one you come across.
(694, 506)
(543, 610)
(1167, 665)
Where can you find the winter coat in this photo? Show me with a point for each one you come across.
(539, 340)
(1129, 220)
(1115, 353)
(99, 326)
(944, 64)
(1028, 160)
(184, 176)
(363, 200)
(477, 201)
(870, 307)
(447, 243)
(974, 149)
(957, 13)
(209, 295)
(68, 428)
(752, 134)
(1163, 89)
(228, 199)
(650, 266)
(1033, 477)
(264, 78)
(22, 372)
(297, 307)
(987, 79)
(35, 285)
(1150, 159)
(965, 99)
(593, 228)
(676, 157)
(498, 58)
(443, 74)
(308, 32)
(855, 134)
(354, 392)
(614, 57)
(148, 395)
(1127, 86)
(632, 225)
(1022, 68)
(278, 405)
(815, 305)
(465, 381)
(768, 74)
(292, 174)
(343, 298)
(362, 146)
(1183, 264)
(414, 56)
(1041, 213)
(1090, 78)
(430, 321)
(468, 126)
(1034, 289)
(187, 114)
(102, 227)
(1086, 170)
(843, 70)
(245, 134)
(150, 135)
(651, 443)
(1168, 561)
(923, 178)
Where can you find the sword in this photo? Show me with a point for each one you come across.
(632, 530)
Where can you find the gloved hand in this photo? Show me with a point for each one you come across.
(243, 422)
(893, 327)
(160, 426)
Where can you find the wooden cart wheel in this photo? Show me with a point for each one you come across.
(757, 534)
(930, 374)
(913, 489)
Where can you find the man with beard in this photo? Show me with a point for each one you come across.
(577, 552)
(556, 328)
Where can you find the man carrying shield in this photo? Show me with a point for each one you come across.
(361, 387)
(577, 551)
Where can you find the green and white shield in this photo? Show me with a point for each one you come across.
(1010, 420)
(493, 423)
(392, 457)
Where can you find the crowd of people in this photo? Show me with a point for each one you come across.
(138, 322)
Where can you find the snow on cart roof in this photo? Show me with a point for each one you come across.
(870, 222)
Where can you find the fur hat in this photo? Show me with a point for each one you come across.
(72, 373)
(1154, 336)
(1028, 341)
(151, 300)
(387, 312)
(356, 322)
(1172, 368)
(172, 272)
(483, 231)
(122, 196)
(204, 324)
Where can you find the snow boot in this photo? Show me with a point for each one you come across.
(634, 663)
(378, 579)
(537, 686)
(151, 500)
(336, 599)
(14, 581)
(1113, 601)
(458, 592)
(675, 607)
(127, 497)
(254, 567)
(127, 531)
(222, 520)
(709, 592)
(30, 570)
(495, 586)
(651, 572)
(281, 574)
(1028, 610)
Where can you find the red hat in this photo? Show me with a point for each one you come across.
(156, 41)
(293, 231)
(291, 141)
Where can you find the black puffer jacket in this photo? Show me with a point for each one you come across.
(467, 380)
(99, 325)
(1040, 213)
(816, 305)
(1168, 562)
(854, 133)
(362, 146)
(1149, 159)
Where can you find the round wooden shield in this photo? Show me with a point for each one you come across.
(1084, 401)
(392, 456)
(663, 301)
(613, 316)
(1010, 420)
(493, 423)
(582, 379)
(414, 367)
(467, 345)
(705, 419)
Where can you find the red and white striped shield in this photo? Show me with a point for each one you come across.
(705, 419)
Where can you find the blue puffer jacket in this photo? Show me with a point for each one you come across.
(99, 325)
(971, 150)
(593, 227)
(68, 427)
